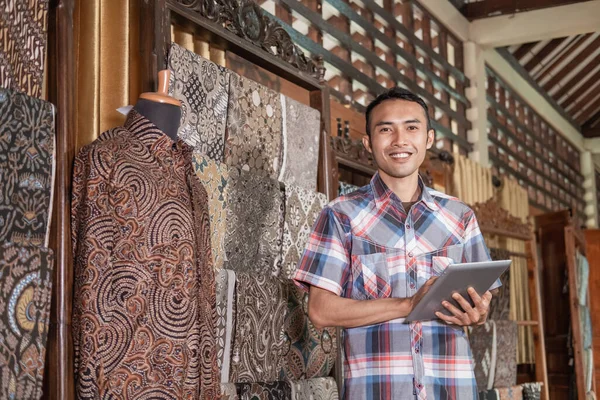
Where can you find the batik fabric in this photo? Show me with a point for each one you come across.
(510, 393)
(500, 304)
(532, 391)
(301, 131)
(26, 282)
(279, 390)
(313, 389)
(23, 34)
(254, 231)
(144, 306)
(491, 394)
(302, 207)
(226, 309)
(310, 352)
(364, 246)
(258, 344)
(254, 125)
(346, 188)
(583, 276)
(26, 168)
(214, 176)
(203, 89)
(229, 391)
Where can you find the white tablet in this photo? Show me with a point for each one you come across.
(457, 278)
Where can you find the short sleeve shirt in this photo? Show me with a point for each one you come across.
(365, 246)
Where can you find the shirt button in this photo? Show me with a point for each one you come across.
(412, 285)
(410, 254)
(407, 226)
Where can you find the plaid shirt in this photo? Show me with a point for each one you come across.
(365, 246)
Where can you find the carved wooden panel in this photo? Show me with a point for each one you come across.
(494, 219)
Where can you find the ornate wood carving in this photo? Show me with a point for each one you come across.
(494, 219)
(247, 20)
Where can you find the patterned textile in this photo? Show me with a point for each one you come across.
(310, 352)
(229, 391)
(588, 368)
(26, 284)
(491, 394)
(215, 178)
(280, 390)
(346, 188)
(301, 128)
(583, 276)
(144, 307)
(26, 168)
(494, 347)
(532, 391)
(302, 207)
(510, 393)
(23, 34)
(364, 246)
(586, 326)
(254, 128)
(225, 312)
(500, 304)
(315, 389)
(258, 344)
(254, 224)
(203, 88)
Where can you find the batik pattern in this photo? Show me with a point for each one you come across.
(214, 176)
(346, 188)
(301, 128)
(254, 126)
(313, 389)
(225, 318)
(491, 394)
(229, 391)
(302, 207)
(500, 304)
(532, 391)
(23, 34)
(279, 390)
(203, 88)
(506, 364)
(254, 224)
(310, 352)
(510, 393)
(144, 306)
(259, 341)
(26, 284)
(26, 168)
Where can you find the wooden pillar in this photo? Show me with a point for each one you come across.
(476, 93)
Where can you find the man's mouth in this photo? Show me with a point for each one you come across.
(400, 155)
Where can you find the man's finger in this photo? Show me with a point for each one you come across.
(453, 309)
(448, 318)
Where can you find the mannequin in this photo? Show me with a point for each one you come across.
(161, 109)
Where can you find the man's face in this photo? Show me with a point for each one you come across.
(399, 137)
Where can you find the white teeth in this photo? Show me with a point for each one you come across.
(400, 155)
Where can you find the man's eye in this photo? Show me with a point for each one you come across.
(385, 130)
(413, 128)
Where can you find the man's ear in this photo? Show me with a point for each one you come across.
(430, 138)
(367, 143)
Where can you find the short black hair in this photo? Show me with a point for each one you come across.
(396, 93)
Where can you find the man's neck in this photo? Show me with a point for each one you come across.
(406, 189)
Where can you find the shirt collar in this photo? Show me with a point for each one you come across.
(150, 134)
(383, 194)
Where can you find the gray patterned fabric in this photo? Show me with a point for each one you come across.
(315, 389)
(203, 88)
(258, 345)
(229, 391)
(346, 188)
(301, 127)
(302, 207)
(532, 391)
(500, 304)
(280, 390)
(26, 168)
(510, 393)
(254, 224)
(491, 394)
(225, 319)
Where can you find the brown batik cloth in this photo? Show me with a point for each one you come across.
(144, 307)
(500, 304)
(510, 393)
(26, 284)
(302, 207)
(23, 34)
(309, 352)
(203, 88)
(258, 343)
(26, 168)
(279, 390)
(254, 224)
(313, 389)
(301, 127)
(254, 128)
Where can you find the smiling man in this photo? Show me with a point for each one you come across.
(374, 253)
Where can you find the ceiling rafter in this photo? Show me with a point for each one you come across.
(543, 53)
(483, 9)
(567, 51)
(580, 58)
(590, 83)
(589, 110)
(523, 50)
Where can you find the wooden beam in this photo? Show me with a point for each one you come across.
(571, 47)
(523, 50)
(543, 53)
(578, 77)
(589, 83)
(594, 120)
(488, 8)
(590, 110)
(585, 53)
(591, 132)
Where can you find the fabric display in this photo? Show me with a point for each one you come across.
(510, 393)
(280, 390)
(302, 207)
(254, 128)
(203, 89)
(346, 188)
(254, 231)
(313, 389)
(26, 281)
(491, 394)
(226, 309)
(588, 368)
(583, 276)
(144, 300)
(301, 128)
(23, 31)
(494, 349)
(229, 391)
(26, 168)
(310, 352)
(500, 304)
(532, 391)
(259, 340)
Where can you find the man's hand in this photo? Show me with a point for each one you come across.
(421, 292)
(468, 315)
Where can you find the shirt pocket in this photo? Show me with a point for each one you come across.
(435, 263)
(371, 276)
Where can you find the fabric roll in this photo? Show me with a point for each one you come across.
(259, 341)
(302, 207)
(214, 176)
(229, 391)
(254, 231)
(588, 367)
(23, 34)
(26, 168)
(254, 128)
(500, 304)
(26, 282)
(510, 393)
(532, 391)
(203, 89)
(583, 276)
(300, 143)
(279, 390)
(585, 320)
(225, 319)
(346, 188)
(313, 389)
(309, 352)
